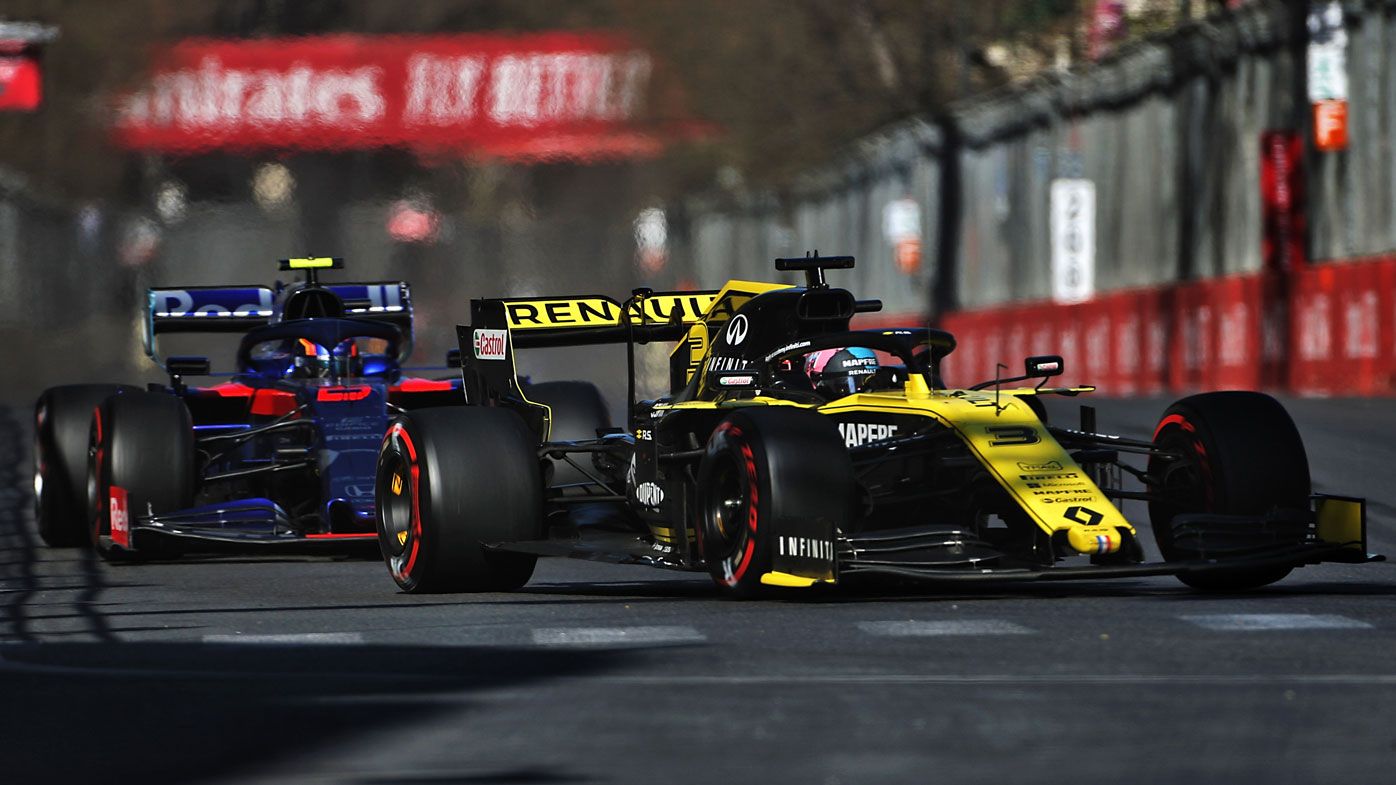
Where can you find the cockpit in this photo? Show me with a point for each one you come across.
(829, 367)
(321, 349)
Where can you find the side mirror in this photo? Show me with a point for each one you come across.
(1043, 366)
(187, 366)
(735, 380)
(453, 358)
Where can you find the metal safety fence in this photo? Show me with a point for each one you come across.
(1180, 141)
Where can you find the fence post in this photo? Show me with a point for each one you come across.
(945, 279)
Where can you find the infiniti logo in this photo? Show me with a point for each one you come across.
(358, 491)
(736, 330)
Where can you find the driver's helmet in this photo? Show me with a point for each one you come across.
(347, 362)
(310, 360)
(842, 371)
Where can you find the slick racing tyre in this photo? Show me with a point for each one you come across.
(62, 420)
(763, 465)
(451, 480)
(140, 462)
(1240, 455)
(578, 412)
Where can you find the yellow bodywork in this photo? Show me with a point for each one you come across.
(551, 313)
(1341, 521)
(789, 581)
(1016, 449)
(311, 263)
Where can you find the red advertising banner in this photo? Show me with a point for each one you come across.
(1218, 334)
(555, 94)
(1281, 200)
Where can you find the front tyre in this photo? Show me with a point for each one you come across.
(762, 468)
(1237, 453)
(62, 421)
(450, 481)
(140, 462)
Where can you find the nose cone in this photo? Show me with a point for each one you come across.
(1094, 539)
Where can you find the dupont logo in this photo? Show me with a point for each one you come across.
(649, 494)
(490, 344)
(1050, 466)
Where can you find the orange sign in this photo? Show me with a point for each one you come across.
(909, 255)
(1330, 125)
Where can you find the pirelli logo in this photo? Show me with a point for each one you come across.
(600, 311)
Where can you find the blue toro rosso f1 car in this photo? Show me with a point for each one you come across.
(279, 455)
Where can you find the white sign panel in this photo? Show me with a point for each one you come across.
(901, 220)
(1073, 240)
(1327, 60)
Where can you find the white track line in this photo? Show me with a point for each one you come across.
(1248, 622)
(1030, 679)
(613, 636)
(925, 629)
(299, 639)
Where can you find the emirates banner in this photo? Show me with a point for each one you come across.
(570, 95)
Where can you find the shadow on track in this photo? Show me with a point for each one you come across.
(875, 591)
(154, 713)
(19, 546)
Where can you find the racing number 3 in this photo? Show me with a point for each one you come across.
(1006, 435)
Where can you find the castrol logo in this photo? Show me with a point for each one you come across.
(489, 344)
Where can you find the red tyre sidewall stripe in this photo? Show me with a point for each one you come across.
(1182, 422)
(100, 502)
(400, 433)
(753, 502)
(1174, 419)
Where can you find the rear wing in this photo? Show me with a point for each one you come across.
(593, 319)
(500, 326)
(238, 309)
(206, 309)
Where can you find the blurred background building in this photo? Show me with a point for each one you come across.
(1176, 194)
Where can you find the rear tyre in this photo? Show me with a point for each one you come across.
(62, 421)
(1242, 455)
(450, 481)
(578, 409)
(763, 465)
(142, 448)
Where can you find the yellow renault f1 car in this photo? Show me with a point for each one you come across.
(793, 451)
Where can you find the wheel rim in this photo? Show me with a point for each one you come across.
(38, 477)
(726, 509)
(396, 494)
(1185, 481)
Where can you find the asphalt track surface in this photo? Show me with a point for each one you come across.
(317, 670)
